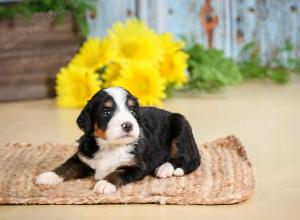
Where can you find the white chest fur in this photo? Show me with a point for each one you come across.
(109, 159)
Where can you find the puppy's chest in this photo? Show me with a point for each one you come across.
(106, 161)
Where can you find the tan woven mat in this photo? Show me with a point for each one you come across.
(224, 177)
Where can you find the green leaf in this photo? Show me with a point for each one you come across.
(210, 70)
(170, 90)
(280, 76)
(276, 69)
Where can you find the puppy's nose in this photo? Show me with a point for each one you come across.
(126, 126)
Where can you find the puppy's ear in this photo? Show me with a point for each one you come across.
(137, 102)
(84, 120)
(137, 109)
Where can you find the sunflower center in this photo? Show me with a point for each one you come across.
(133, 49)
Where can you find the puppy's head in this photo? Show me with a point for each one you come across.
(111, 116)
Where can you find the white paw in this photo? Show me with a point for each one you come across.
(165, 170)
(48, 178)
(102, 186)
(178, 172)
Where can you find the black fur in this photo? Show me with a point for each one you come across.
(73, 168)
(160, 129)
(96, 112)
(165, 137)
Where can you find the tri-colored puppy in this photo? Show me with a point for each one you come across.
(123, 143)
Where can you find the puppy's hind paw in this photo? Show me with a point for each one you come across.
(178, 172)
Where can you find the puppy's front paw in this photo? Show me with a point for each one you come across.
(165, 170)
(102, 186)
(48, 178)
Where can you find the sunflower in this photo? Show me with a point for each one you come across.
(95, 53)
(111, 73)
(174, 63)
(168, 44)
(75, 85)
(143, 81)
(173, 67)
(136, 42)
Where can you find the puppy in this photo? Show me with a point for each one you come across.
(122, 143)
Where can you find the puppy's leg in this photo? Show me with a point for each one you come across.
(73, 168)
(118, 178)
(184, 154)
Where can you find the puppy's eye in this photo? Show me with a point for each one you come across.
(106, 112)
(132, 110)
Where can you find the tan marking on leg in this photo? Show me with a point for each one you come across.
(174, 149)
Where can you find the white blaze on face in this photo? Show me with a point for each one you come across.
(114, 131)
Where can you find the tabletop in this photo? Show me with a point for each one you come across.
(264, 116)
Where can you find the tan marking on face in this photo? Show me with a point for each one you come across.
(108, 104)
(99, 132)
(130, 102)
(174, 149)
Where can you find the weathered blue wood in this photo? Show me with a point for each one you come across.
(219, 37)
(107, 13)
(222, 35)
(228, 28)
(294, 7)
(153, 13)
(234, 13)
(275, 25)
(267, 22)
(178, 18)
(246, 23)
(182, 18)
(296, 19)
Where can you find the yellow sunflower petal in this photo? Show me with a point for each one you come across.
(136, 42)
(173, 68)
(169, 45)
(95, 53)
(174, 63)
(143, 81)
(75, 85)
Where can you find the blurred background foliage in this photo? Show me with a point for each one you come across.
(210, 70)
(27, 8)
(277, 69)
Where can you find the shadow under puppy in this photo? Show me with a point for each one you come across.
(123, 143)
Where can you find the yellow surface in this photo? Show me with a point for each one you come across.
(265, 117)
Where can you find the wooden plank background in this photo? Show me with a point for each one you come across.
(268, 22)
(32, 52)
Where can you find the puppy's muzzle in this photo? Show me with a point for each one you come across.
(127, 127)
